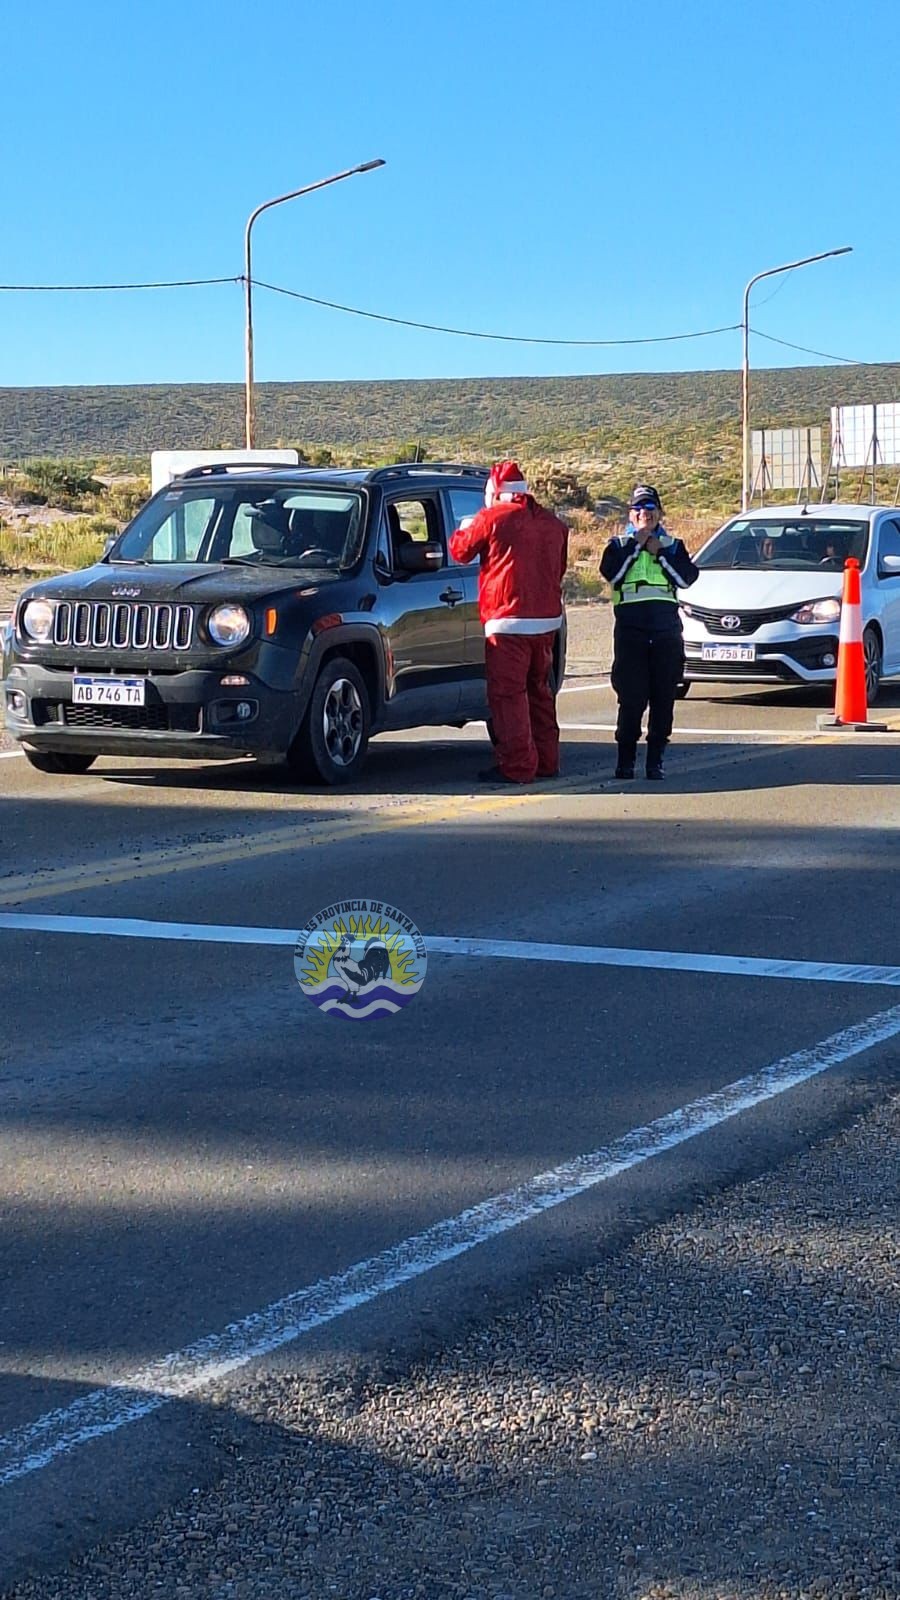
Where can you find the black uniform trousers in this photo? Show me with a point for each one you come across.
(648, 665)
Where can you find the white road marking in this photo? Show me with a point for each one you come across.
(183, 1372)
(585, 688)
(504, 949)
(7, 755)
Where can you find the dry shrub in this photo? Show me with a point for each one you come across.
(695, 527)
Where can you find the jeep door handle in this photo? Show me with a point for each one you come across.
(450, 596)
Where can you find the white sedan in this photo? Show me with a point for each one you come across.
(766, 607)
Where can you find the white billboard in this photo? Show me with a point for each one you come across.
(786, 458)
(866, 436)
(167, 464)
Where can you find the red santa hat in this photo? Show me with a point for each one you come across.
(504, 482)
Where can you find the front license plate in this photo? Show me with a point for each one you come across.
(108, 691)
(728, 652)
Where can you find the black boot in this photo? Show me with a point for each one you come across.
(655, 760)
(625, 763)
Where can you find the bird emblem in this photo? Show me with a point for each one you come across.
(356, 975)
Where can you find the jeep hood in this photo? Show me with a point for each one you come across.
(206, 585)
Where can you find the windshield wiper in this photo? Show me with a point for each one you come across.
(128, 561)
(279, 561)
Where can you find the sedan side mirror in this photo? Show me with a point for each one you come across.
(421, 556)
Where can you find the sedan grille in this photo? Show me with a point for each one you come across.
(748, 621)
(121, 625)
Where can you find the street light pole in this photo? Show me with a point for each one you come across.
(745, 369)
(367, 166)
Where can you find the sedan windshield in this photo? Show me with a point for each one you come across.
(215, 523)
(785, 544)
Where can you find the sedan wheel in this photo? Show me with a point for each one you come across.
(873, 661)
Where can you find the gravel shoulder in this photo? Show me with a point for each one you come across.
(711, 1414)
(589, 639)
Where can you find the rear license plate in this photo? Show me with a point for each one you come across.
(728, 652)
(108, 691)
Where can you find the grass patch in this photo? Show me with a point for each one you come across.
(59, 546)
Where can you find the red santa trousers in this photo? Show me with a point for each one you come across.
(523, 710)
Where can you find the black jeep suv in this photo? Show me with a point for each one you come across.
(278, 612)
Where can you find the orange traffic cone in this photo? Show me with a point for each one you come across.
(850, 701)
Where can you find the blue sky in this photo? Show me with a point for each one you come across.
(568, 170)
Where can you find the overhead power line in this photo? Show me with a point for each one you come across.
(408, 322)
(471, 333)
(86, 288)
(849, 361)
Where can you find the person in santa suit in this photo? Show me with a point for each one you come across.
(523, 549)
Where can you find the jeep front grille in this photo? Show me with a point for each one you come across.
(122, 625)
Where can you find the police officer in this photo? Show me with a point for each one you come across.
(645, 567)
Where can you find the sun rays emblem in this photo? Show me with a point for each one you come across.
(360, 959)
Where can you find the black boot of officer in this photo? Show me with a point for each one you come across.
(627, 754)
(655, 751)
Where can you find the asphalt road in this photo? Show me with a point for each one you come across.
(187, 1142)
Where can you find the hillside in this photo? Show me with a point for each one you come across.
(537, 414)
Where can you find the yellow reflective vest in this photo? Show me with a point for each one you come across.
(644, 580)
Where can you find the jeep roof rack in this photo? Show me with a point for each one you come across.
(213, 469)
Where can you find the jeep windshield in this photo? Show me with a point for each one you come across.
(785, 544)
(254, 525)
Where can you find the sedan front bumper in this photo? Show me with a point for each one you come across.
(808, 659)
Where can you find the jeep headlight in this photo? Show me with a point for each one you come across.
(818, 611)
(37, 620)
(228, 624)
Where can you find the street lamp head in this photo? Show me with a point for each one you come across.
(308, 188)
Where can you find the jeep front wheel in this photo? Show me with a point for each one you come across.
(331, 745)
(54, 761)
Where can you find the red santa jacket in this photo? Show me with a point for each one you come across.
(523, 549)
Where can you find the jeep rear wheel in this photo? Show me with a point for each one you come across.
(332, 742)
(54, 761)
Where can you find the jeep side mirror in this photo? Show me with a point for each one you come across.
(422, 556)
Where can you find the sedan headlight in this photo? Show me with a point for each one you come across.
(818, 611)
(688, 610)
(37, 620)
(228, 624)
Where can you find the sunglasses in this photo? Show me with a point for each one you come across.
(645, 507)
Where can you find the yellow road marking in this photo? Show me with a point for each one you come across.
(374, 819)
